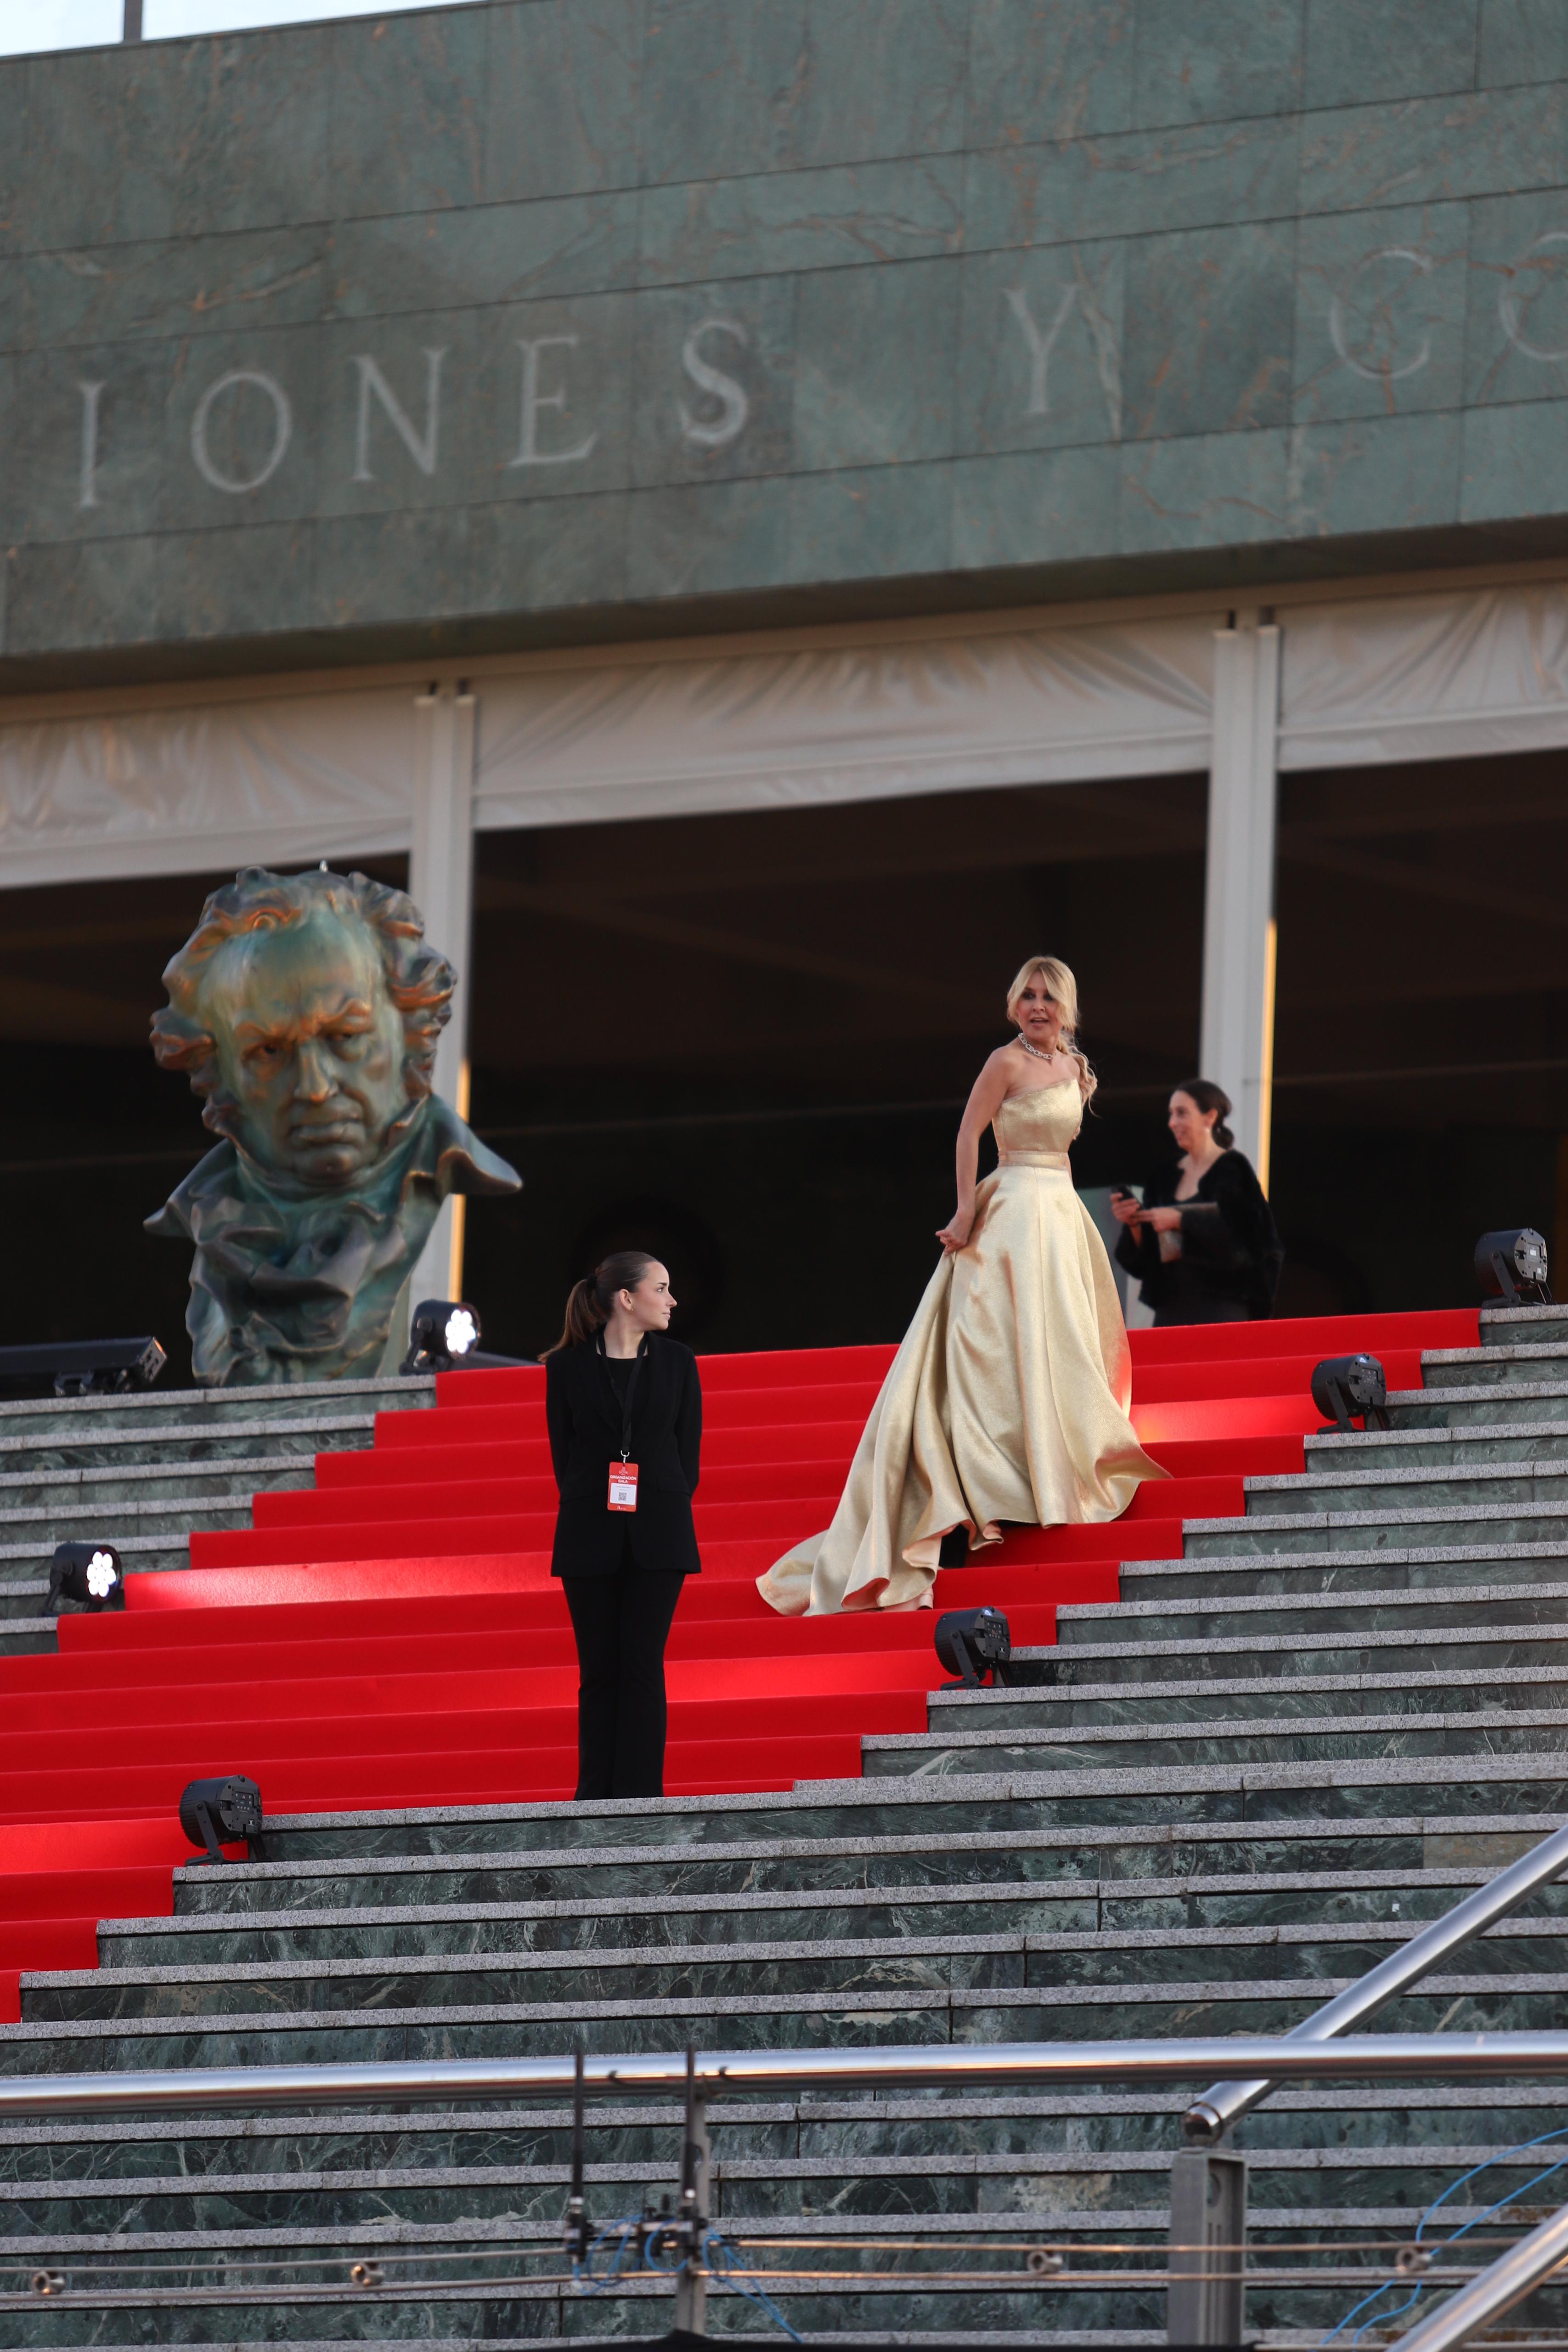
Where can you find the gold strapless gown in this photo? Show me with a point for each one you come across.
(1008, 1399)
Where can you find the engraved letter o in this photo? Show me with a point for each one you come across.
(283, 427)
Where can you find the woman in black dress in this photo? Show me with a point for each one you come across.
(624, 1410)
(1204, 1244)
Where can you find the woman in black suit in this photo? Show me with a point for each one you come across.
(624, 1410)
(1204, 1244)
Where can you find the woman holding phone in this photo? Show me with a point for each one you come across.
(625, 1411)
(1202, 1244)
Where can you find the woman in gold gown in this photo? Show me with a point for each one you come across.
(1008, 1399)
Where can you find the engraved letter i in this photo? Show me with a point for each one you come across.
(90, 395)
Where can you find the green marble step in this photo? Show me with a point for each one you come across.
(1406, 1611)
(33, 1531)
(28, 1633)
(977, 1991)
(1436, 1654)
(1454, 1846)
(1481, 1405)
(503, 1953)
(1539, 1483)
(75, 1421)
(1397, 1523)
(176, 1446)
(1413, 1569)
(126, 2155)
(1485, 1731)
(974, 1807)
(25, 1567)
(1515, 1360)
(1507, 1327)
(103, 1497)
(647, 1923)
(908, 2183)
(1450, 1446)
(1199, 1696)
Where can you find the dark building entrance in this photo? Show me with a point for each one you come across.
(745, 1040)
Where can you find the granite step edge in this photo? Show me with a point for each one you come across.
(1323, 1727)
(938, 2002)
(976, 1789)
(1046, 1696)
(1133, 1834)
(1401, 1596)
(901, 1893)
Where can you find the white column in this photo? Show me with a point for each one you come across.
(1237, 1051)
(441, 884)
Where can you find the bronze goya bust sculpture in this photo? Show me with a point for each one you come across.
(305, 1010)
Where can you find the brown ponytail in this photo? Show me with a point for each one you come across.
(1208, 1096)
(589, 1302)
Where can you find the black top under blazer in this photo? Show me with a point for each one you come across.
(1230, 1244)
(583, 1416)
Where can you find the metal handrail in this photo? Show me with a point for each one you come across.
(1208, 2118)
(1493, 2290)
(954, 2066)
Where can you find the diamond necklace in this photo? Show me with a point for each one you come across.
(1033, 1051)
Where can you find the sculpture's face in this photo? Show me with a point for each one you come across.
(309, 1044)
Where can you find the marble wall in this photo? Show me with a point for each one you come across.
(427, 328)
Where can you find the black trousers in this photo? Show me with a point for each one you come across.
(621, 1624)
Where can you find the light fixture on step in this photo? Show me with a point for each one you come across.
(1511, 1266)
(212, 1811)
(86, 1367)
(88, 1573)
(972, 1642)
(444, 1336)
(1343, 1386)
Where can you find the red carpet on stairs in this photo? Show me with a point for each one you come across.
(390, 1635)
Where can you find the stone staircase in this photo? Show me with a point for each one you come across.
(1210, 1806)
(141, 1470)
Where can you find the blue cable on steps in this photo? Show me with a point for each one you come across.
(1474, 2223)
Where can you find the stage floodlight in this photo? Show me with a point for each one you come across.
(1511, 1266)
(86, 1367)
(444, 1336)
(212, 1811)
(1343, 1386)
(972, 1642)
(88, 1573)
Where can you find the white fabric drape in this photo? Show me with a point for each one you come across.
(1416, 677)
(221, 784)
(291, 777)
(845, 722)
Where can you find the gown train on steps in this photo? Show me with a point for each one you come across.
(1007, 1402)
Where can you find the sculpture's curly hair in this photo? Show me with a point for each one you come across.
(419, 980)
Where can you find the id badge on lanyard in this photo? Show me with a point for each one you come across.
(622, 1494)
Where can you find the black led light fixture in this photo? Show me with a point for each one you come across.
(1511, 1266)
(85, 1367)
(1345, 1387)
(973, 1643)
(444, 1336)
(88, 1574)
(219, 1811)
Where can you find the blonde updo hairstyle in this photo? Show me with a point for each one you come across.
(1064, 989)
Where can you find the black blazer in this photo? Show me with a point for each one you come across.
(1229, 1243)
(582, 1413)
